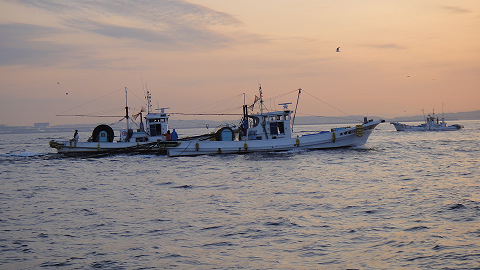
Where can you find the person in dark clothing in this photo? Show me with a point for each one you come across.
(174, 135)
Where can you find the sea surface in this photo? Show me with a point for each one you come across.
(402, 201)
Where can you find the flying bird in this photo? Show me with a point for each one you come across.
(338, 49)
(58, 83)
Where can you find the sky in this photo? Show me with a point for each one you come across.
(396, 58)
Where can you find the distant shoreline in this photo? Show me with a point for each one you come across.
(450, 118)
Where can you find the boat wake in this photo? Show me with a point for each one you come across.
(21, 154)
(362, 148)
(8, 157)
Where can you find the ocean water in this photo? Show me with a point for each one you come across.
(402, 201)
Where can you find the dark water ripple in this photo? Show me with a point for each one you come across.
(405, 200)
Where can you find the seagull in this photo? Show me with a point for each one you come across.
(338, 49)
(58, 83)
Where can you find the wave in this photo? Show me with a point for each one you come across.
(21, 154)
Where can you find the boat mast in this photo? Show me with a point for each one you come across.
(261, 99)
(245, 116)
(298, 98)
(149, 102)
(443, 118)
(126, 108)
(264, 122)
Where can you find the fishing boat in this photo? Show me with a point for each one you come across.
(432, 123)
(271, 131)
(142, 140)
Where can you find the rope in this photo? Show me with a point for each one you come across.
(351, 116)
(221, 101)
(90, 101)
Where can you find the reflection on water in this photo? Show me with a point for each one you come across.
(404, 200)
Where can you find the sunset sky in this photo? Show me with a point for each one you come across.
(396, 57)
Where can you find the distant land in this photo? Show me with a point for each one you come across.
(449, 117)
(299, 120)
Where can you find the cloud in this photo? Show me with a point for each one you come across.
(175, 38)
(457, 9)
(20, 44)
(168, 25)
(156, 15)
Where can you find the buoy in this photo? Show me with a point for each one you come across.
(245, 145)
(359, 130)
(197, 146)
(333, 136)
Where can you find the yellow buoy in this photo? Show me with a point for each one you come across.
(359, 130)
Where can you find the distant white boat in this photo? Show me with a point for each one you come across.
(432, 123)
(271, 131)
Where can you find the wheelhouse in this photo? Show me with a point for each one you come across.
(157, 123)
(270, 125)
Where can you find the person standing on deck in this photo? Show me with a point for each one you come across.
(167, 135)
(174, 135)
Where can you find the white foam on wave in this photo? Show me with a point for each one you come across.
(22, 154)
(362, 147)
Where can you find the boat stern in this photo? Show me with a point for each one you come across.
(56, 145)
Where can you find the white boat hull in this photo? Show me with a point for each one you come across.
(432, 127)
(72, 147)
(325, 140)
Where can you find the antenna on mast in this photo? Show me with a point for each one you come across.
(126, 108)
(149, 102)
(261, 98)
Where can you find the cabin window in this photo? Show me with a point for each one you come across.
(273, 128)
(254, 121)
(157, 120)
(279, 117)
(152, 130)
(155, 130)
(287, 117)
(281, 128)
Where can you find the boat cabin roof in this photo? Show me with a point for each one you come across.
(156, 117)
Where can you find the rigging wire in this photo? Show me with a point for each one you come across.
(142, 100)
(221, 101)
(121, 89)
(100, 113)
(233, 102)
(276, 97)
(351, 116)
